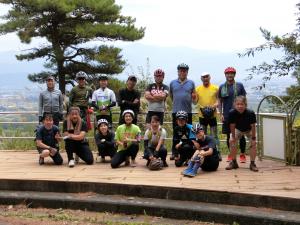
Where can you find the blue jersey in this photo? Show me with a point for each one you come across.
(181, 94)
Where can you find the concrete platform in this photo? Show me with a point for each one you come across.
(273, 179)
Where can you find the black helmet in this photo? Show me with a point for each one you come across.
(155, 164)
(207, 112)
(81, 74)
(103, 77)
(182, 66)
(181, 115)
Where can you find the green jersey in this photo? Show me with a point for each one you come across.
(123, 131)
(79, 96)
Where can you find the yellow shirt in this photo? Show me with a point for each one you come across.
(207, 96)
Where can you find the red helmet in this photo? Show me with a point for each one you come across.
(230, 70)
(159, 72)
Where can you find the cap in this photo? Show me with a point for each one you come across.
(204, 74)
(132, 78)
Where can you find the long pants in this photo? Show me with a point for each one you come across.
(185, 152)
(161, 153)
(121, 156)
(106, 150)
(81, 149)
(57, 159)
(210, 163)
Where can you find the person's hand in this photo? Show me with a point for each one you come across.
(136, 101)
(178, 145)
(102, 140)
(90, 110)
(194, 96)
(202, 153)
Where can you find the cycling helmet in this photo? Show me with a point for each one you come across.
(102, 121)
(81, 74)
(197, 127)
(207, 112)
(230, 70)
(182, 66)
(103, 77)
(155, 164)
(159, 72)
(181, 115)
(128, 111)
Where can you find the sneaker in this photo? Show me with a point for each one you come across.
(41, 160)
(232, 165)
(127, 161)
(229, 158)
(165, 164)
(133, 163)
(172, 157)
(71, 163)
(242, 158)
(76, 158)
(253, 167)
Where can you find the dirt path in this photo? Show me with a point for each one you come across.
(21, 215)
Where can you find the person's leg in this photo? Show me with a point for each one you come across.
(132, 151)
(190, 118)
(118, 159)
(233, 150)
(57, 159)
(162, 153)
(253, 166)
(69, 146)
(242, 144)
(210, 164)
(84, 152)
(174, 124)
(203, 123)
(182, 157)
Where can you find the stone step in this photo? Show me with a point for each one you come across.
(178, 209)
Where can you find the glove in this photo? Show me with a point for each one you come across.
(102, 140)
(40, 119)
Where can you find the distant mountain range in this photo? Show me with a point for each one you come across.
(13, 73)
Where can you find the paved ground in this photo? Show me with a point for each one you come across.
(274, 178)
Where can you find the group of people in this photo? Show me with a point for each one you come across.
(191, 146)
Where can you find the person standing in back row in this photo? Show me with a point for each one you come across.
(227, 94)
(51, 102)
(182, 93)
(129, 98)
(156, 95)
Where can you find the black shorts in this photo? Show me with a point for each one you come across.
(152, 113)
(212, 122)
(225, 127)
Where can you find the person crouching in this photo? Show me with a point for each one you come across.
(127, 137)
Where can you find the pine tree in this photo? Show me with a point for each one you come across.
(75, 32)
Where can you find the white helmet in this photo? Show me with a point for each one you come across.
(128, 111)
(102, 121)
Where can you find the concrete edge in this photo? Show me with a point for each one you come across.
(158, 192)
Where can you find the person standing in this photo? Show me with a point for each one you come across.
(227, 93)
(207, 104)
(156, 95)
(129, 98)
(182, 93)
(103, 99)
(51, 102)
(80, 95)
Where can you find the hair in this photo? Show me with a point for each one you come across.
(155, 118)
(241, 98)
(74, 108)
(48, 115)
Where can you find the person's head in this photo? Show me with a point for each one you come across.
(74, 114)
(181, 118)
(102, 126)
(50, 82)
(183, 70)
(131, 82)
(128, 116)
(240, 103)
(205, 78)
(199, 131)
(159, 76)
(230, 74)
(48, 120)
(155, 122)
(103, 80)
(81, 78)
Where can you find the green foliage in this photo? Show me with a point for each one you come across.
(288, 64)
(69, 26)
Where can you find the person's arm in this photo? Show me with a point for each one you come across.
(40, 144)
(171, 91)
(253, 132)
(75, 137)
(40, 107)
(113, 100)
(148, 96)
(94, 100)
(111, 143)
(71, 98)
(61, 105)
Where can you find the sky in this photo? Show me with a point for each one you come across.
(191, 29)
(216, 25)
